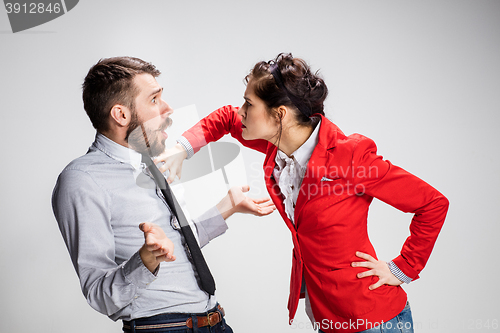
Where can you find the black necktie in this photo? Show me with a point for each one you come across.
(206, 278)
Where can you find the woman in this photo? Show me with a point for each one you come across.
(322, 183)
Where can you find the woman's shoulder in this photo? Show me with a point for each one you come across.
(332, 136)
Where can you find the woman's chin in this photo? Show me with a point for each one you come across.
(248, 136)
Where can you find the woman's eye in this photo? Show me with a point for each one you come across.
(154, 100)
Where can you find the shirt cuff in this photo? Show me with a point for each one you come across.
(210, 225)
(187, 146)
(136, 273)
(398, 273)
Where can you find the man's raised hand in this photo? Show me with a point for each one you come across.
(157, 246)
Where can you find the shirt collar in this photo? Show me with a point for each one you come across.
(304, 152)
(117, 151)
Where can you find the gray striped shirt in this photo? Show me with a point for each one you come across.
(99, 201)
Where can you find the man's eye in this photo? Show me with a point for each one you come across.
(248, 104)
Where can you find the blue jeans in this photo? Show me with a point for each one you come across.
(402, 323)
(166, 318)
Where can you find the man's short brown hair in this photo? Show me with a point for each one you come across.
(109, 82)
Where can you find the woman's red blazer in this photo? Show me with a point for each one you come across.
(343, 176)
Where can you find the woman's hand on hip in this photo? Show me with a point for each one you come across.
(378, 268)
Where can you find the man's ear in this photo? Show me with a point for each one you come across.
(121, 115)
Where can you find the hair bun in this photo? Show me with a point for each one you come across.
(302, 82)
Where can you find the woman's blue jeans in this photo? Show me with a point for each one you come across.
(402, 323)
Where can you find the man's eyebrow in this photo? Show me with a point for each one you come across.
(247, 99)
(155, 92)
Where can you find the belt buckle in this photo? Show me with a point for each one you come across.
(210, 316)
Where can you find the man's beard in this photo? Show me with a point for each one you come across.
(145, 140)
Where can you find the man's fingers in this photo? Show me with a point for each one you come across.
(266, 211)
(261, 200)
(268, 204)
(245, 188)
(164, 254)
(158, 252)
(152, 246)
(167, 258)
(265, 208)
(145, 227)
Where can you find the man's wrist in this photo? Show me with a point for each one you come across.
(148, 259)
(226, 207)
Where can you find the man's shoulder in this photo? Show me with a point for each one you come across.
(93, 167)
(92, 161)
(81, 180)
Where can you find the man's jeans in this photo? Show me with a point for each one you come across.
(402, 323)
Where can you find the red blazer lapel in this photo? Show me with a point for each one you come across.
(311, 182)
(273, 188)
(317, 167)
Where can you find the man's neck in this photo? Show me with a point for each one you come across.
(115, 137)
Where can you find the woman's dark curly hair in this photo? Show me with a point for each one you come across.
(305, 86)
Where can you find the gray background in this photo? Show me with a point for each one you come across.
(421, 78)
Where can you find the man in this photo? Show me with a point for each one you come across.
(121, 230)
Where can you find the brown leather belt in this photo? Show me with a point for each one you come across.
(211, 319)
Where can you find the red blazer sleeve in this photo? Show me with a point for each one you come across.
(408, 193)
(217, 124)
